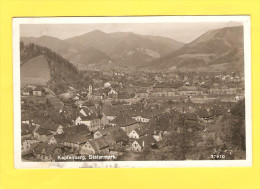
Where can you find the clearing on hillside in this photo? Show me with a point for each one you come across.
(35, 71)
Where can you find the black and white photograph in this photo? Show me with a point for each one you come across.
(125, 92)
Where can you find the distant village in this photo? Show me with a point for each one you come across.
(132, 116)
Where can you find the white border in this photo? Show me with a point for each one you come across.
(124, 164)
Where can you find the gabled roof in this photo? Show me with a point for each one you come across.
(60, 137)
(90, 117)
(108, 129)
(146, 140)
(123, 120)
(77, 138)
(98, 144)
(45, 148)
(42, 131)
(87, 104)
(39, 88)
(50, 126)
(141, 131)
(119, 135)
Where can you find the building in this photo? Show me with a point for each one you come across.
(93, 121)
(46, 152)
(138, 132)
(95, 146)
(143, 143)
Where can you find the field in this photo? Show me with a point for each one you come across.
(35, 71)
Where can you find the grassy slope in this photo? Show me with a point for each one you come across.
(35, 71)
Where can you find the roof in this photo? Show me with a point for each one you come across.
(76, 138)
(27, 129)
(203, 113)
(141, 131)
(108, 129)
(146, 140)
(50, 126)
(27, 89)
(45, 148)
(98, 144)
(42, 131)
(191, 117)
(98, 92)
(89, 117)
(123, 120)
(188, 88)
(38, 120)
(39, 88)
(60, 137)
(119, 135)
(87, 104)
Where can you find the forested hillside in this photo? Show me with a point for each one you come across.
(62, 73)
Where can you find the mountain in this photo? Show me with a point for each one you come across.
(91, 57)
(218, 49)
(126, 48)
(57, 45)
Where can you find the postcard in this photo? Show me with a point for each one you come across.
(126, 92)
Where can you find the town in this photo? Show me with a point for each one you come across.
(138, 115)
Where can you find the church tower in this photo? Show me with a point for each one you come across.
(90, 89)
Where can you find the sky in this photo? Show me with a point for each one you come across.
(183, 32)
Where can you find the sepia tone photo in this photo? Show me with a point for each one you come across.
(164, 91)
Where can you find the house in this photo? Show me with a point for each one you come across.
(117, 138)
(103, 132)
(27, 92)
(53, 128)
(46, 152)
(144, 115)
(28, 146)
(95, 146)
(157, 135)
(206, 115)
(85, 111)
(123, 120)
(55, 139)
(97, 94)
(141, 94)
(27, 130)
(143, 143)
(112, 94)
(77, 129)
(189, 90)
(93, 121)
(130, 128)
(112, 111)
(87, 104)
(76, 141)
(38, 91)
(107, 84)
(42, 134)
(191, 117)
(38, 121)
(138, 133)
(104, 120)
